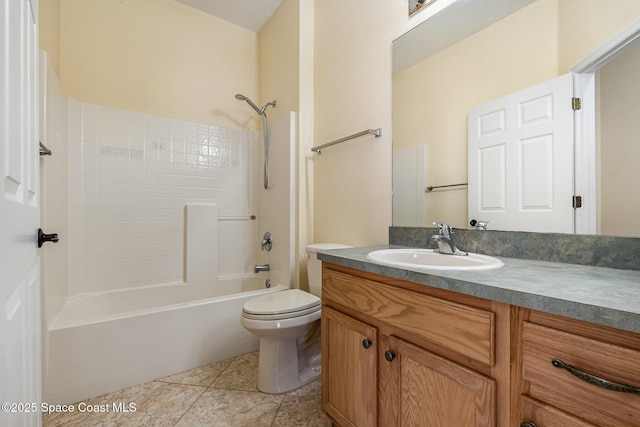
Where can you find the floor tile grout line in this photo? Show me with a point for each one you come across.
(209, 387)
(191, 406)
(275, 417)
(223, 371)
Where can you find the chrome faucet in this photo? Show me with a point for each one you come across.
(261, 267)
(444, 239)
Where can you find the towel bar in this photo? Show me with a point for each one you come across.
(376, 132)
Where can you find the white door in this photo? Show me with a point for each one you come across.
(20, 382)
(521, 159)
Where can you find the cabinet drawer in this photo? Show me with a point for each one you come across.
(466, 330)
(544, 415)
(559, 388)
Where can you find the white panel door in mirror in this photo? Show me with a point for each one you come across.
(521, 159)
(492, 178)
(536, 175)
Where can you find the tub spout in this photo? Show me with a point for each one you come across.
(261, 267)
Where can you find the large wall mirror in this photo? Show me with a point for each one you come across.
(438, 78)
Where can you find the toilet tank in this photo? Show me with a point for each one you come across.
(314, 265)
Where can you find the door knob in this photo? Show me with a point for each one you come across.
(389, 355)
(42, 237)
(528, 425)
(366, 343)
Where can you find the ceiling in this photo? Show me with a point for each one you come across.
(250, 14)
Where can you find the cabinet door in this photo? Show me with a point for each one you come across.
(433, 391)
(349, 370)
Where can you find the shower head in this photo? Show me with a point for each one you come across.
(260, 111)
(248, 101)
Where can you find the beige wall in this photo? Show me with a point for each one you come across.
(285, 52)
(352, 75)
(619, 148)
(49, 31)
(587, 24)
(158, 56)
(278, 58)
(304, 201)
(537, 43)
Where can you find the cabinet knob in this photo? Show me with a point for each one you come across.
(528, 425)
(389, 355)
(366, 343)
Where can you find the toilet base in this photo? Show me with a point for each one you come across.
(278, 369)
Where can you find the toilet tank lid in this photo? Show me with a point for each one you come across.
(315, 247)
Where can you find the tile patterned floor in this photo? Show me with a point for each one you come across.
(220, 394)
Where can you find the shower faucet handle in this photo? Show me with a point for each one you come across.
(266, 242)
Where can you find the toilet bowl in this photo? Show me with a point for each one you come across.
(288, 325)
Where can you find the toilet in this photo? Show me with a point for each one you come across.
(288, 325)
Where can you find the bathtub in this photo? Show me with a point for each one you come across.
(112, 340)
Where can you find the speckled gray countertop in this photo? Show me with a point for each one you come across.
(599, 295)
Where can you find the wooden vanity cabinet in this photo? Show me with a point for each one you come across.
(399, 354)
(349, 370)
(549, 347)
(396, 353)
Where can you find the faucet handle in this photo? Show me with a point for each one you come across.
(443, 228)
(479, 225)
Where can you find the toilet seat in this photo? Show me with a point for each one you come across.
(281, 305)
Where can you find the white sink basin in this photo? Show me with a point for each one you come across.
(429, 260)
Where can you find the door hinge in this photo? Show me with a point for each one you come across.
(577, 202)
(575, 103)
